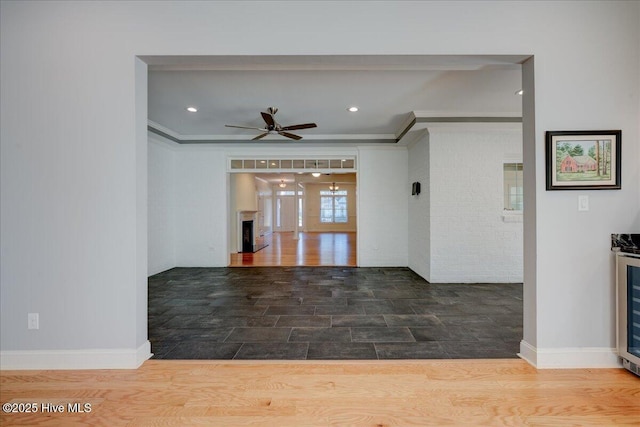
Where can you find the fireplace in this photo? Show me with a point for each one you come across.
(247, 236)
(248, 241)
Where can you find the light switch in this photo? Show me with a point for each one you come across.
(583, 203)
(33, 321)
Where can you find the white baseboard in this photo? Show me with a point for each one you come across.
(75, 359)
(528, 353)
(569, 357)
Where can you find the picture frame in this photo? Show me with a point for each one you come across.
(583, 160)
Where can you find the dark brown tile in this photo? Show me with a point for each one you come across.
(297, 310)
(381, 335)
(411, 320)
(341, 351)
(320, 335)
(304, 321)
(206, 350)
(414, 350)
(357, 321)
(259, 335)
(283, 313)
(273, 351)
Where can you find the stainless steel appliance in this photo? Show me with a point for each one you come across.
(628, 309)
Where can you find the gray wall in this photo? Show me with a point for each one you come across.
(74, 163)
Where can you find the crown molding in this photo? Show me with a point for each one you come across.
(343, 139)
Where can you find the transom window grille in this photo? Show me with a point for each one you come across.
(306, 165)
(333, 206)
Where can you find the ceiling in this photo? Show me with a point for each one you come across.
(389, 91)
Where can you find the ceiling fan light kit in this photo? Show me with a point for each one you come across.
(271, 126)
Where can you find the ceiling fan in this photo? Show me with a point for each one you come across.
(272, 126)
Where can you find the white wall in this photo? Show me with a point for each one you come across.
(265, 207)
(419, 213)
(469, 238)
(245, 187)
(382, 211)
(202, 230)
(161, 222)
(72, 202)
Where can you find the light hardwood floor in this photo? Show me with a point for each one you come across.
(362, 393)
(311, 249)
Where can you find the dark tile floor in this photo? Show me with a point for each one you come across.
(328, 313)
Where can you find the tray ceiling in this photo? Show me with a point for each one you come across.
(386, 89)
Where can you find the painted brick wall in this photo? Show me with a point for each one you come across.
(419, 212)
(470, 240)
(382, 210)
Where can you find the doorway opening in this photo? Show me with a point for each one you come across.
(385, 309)
(301, 219)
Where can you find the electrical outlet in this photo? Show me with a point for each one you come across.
(33, 321)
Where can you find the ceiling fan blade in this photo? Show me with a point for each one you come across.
(262, 135)
(268, 119)
(244, 127)
(290, 135)
(301, 126)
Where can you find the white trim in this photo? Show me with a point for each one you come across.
(161, 141)
(270, 137)
(444, 114)
(512, 216)
(569, 357)
(528, 353)
(163, 129)
(75, 359)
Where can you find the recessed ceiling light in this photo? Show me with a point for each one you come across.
(519, 92)
(316, 174)
(352, 109)
(192, 109)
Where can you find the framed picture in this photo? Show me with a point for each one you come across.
(583, 160)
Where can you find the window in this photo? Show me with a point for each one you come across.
(300, 212)
(333, 206)
(302, 165)
(513, 194)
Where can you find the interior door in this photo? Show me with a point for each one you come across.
(285, 213)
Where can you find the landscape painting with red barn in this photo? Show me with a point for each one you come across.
(583, 160)
(578, 160)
